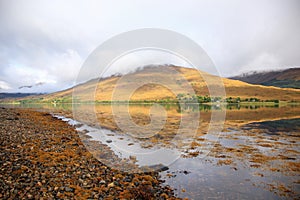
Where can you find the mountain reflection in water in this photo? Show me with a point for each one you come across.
(256, 154)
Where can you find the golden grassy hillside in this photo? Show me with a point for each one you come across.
(177, 77)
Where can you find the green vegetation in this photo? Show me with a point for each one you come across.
(283, 83)
(181, 98)
(229, 100)
(62, 100)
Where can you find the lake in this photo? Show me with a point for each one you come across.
(207, 151)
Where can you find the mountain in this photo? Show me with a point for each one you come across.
(289, 78)
(16, 95)
(105, 87)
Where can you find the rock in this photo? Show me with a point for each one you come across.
(35, 164)
(111, 185)
(164, 195)
(132, 158)
(58, 194)
(68, 189)
(158, 167)
(127, 179)
(116, 183)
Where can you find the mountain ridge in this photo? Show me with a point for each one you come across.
(103, 90)
(285, 78)
(6, 95)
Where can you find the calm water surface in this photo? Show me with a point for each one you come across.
(254, 156)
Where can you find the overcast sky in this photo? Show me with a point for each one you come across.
(44, 43)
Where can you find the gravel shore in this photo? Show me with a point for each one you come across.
(44, 158)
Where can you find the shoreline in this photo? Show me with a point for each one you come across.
(43, 157)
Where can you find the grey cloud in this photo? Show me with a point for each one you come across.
(30, 86)
(47, 41)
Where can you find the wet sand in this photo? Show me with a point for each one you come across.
(43, 157)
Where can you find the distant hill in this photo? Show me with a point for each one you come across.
(105, 87)
(17, 95)
(289, 78)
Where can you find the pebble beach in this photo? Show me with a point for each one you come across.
(43, 157)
